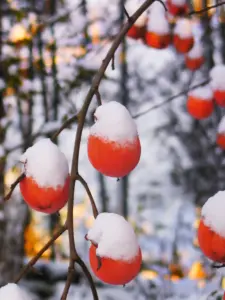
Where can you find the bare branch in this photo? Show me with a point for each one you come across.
(126, 13)
(98, 96)
(39, 254)
(85, 185)
(13, 186)
(163, 4)
(170, 99)
(64, 126)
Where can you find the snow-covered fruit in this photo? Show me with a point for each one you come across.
(158, 33)
(220, 138)
(12, 291)
(194, 59)
(177, 7)
(183, 39)
(137, 31)
(45, 187)
(200, 102)
(115, 256)
(211, 231)
(217, 75)
(113, 144)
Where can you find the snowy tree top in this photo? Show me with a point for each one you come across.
(46, 164)
(114, 122)
(156, 26)
(221, 126)
(12, 291)
(183, 28)
(203, 93)
(196, 51)
(213, 213)
(114, 236)
(217, 75)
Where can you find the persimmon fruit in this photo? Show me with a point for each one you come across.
(199, 108)
(194, 63)
(183, 45)
(176, 10)
(211, 243)
(157, 41)
(219, 96)
(116, 272)
(44, 199)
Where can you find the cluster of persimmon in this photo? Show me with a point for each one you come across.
(155, 30)
(114, 150)
(211, 230)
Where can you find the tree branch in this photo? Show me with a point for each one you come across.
(170, 99)
(85, 185)
(39, 254)
(66, 124)
(13, 186)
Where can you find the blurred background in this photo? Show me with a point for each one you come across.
(49, 52)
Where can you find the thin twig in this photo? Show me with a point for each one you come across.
(113, 62)
(93, 205)
(163, 4)
(126, 13)
(64, 126)
(194, 12)
(170, 99)
(80, 262)
(13, 186)
(98, 96)
(32, 262)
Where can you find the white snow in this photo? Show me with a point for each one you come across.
(158, 24)
(114, 122)
(213, 213)
(203, 93)
(46, 164)
(196, 51)
(221, 126)
(183, 28)
(114, 236)
(156, 9)
(178, 2)
(12, 291)
(132, 7)
(217, 75)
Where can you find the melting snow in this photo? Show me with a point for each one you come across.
(46, 164)
(12, 291)
(213, 213)
(204, 93)
(114, 122)
(160, 26)
(196, 51)
(115, 237)
(217, 75)
(183, 28)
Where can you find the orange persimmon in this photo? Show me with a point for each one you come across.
(112, 158)
(183, 45)
(157, 41)
(136, 32)
(194, 63)
(199, 108)
(220, 140)
(44, 199)
(211, 243)
(117, 272)
(219, 96)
